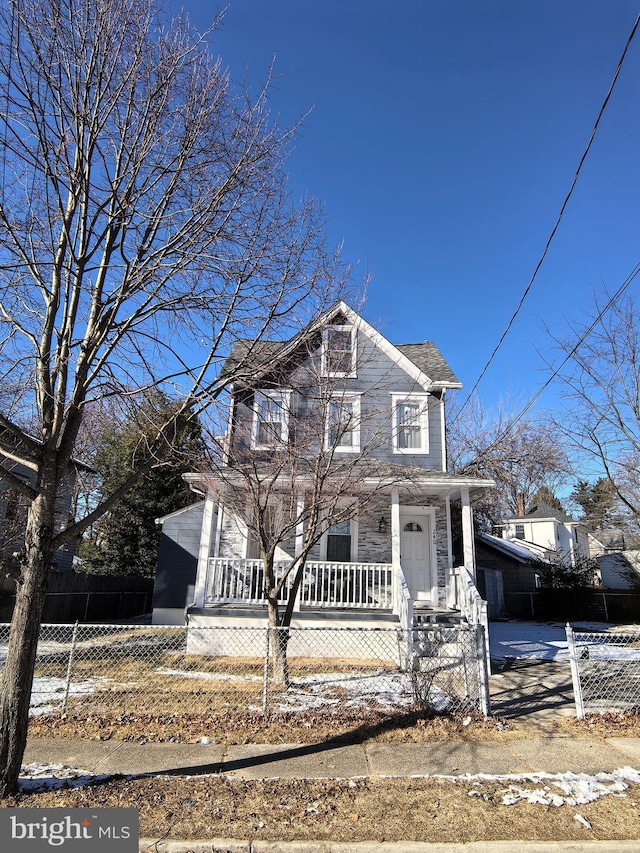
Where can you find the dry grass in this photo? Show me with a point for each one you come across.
(340, 810)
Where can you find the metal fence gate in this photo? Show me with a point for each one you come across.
(605, 670)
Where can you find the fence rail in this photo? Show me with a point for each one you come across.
(605, 669)
(111, 670)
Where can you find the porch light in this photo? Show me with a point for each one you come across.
(382, 525)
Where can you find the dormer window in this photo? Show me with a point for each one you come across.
(410, 424)
(339, 351)
(270, 419)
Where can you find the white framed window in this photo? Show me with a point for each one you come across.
(270, 419)
(340, 542)
(343, 424)
(410, 423)
(339, 351)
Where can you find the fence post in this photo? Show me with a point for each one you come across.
(606, 609)
(575, 672)
(265, 672)
(69, 666)
(483, 672)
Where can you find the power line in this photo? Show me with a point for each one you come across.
(558, 220)
(576, 346)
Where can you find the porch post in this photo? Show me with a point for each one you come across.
(395, 543)
(299, 544)
(395, 528)
(204, 551)
(467, 531)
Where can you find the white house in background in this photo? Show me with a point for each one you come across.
(549, 532)
(408, 553)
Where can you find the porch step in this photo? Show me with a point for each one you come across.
(435, 615)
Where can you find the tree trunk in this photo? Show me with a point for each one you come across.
(17, 678)
(279, 641)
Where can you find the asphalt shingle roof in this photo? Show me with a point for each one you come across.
(425, 356)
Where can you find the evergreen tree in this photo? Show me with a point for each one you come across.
(598, 501)
(125, 541)
(544, 495)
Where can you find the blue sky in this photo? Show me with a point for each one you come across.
(443, 137)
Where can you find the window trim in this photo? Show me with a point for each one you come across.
(284, 398)
(350, 374)
(423, 401)
(354, 399)
(354, 527)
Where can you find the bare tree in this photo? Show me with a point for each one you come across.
(145, 222)
(295, 459)
(601, 393)
(520, 455)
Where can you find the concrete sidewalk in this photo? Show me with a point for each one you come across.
(332, 760)
(551, 754)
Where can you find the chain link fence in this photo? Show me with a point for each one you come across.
(605, 669)
(113, 669)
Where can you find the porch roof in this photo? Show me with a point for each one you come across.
(370, 474)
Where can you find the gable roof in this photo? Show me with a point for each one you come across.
(543, 510)
(423, 362)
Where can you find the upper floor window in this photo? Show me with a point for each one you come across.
(270, 419)
(343, 424)
(519, 531)
(339, 351)
(410, 424)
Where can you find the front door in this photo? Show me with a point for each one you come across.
(415, 553)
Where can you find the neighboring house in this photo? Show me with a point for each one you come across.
(618, 555)
(397, 554)
(508, 574)
(175, 580)
(550, 533)
(12, 518)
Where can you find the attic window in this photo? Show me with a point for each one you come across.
(339, 351)
(270, 419)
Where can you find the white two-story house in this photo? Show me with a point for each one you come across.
(393, 542)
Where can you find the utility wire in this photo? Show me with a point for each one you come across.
(558, 220)
(576, 346)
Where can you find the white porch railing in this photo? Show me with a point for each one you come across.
(324, 584)
(472, 606)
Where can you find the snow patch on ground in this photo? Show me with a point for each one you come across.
(47, 695)
(355, 690)
(546, 789)
(548, 641)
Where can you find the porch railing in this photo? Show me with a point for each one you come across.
(324, 583)
(472, 606)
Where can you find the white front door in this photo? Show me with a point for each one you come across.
(415, 553)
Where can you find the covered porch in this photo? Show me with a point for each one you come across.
(401, 567)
